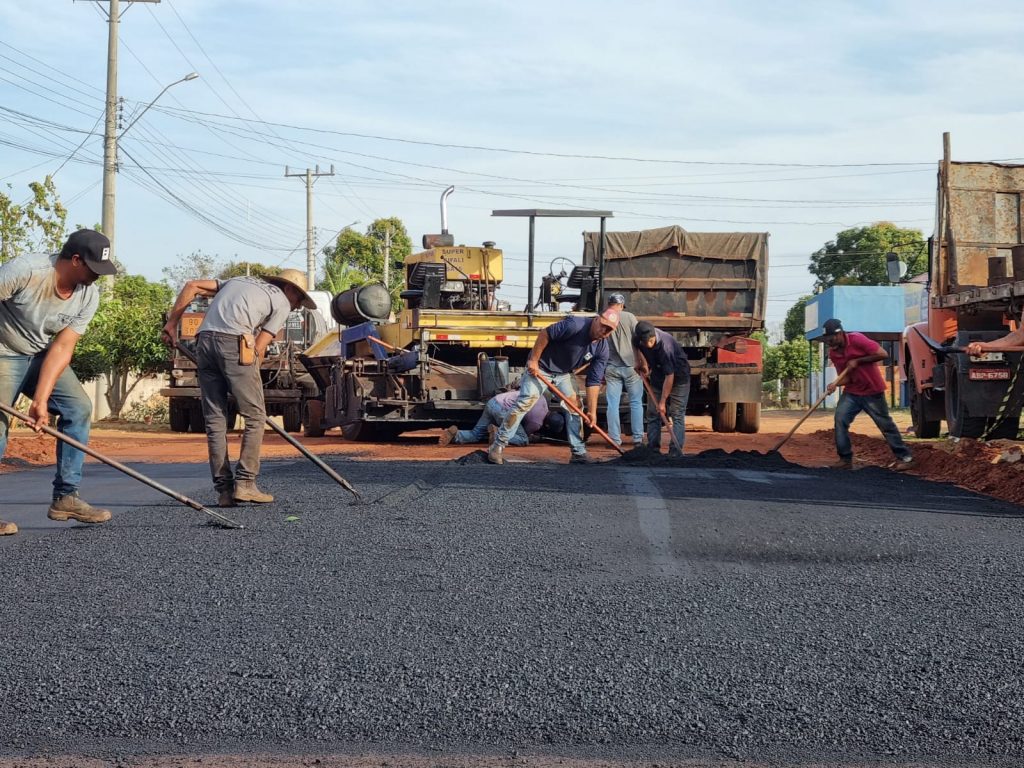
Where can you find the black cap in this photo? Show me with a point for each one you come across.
(93, 247)
(616, 298)
(554, 424)
(644, 331)
(831, 327)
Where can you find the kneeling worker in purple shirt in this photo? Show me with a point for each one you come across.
(559, 350)
(497, 408)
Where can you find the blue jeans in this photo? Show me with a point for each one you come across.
(530, 389)
(493, 415)
(874, 405)
(617, 378)
(675, 410)
(18, 376)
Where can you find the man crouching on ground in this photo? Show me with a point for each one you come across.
(559, 350)
(46, 303)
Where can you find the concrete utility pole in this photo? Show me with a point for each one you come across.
(110, 124)
(310, 177)
(387, 258)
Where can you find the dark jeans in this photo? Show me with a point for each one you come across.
(875, 407)
(675, 410)
(221, 374)
(18, 376)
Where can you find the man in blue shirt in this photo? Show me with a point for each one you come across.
(560, 349)
(661, 357)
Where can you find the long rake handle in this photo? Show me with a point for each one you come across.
(227, 522)
(664, 419)
(295, 443)
(577, 410)
(810, 410)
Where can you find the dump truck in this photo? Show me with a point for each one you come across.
(286, 385)
(452, 345)
(975, 293)
(709, 291)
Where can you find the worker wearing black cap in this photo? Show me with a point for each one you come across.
(621, 375)
(660, 356)
(46, 303)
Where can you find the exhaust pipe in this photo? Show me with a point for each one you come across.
(443, 240)
(444, 208)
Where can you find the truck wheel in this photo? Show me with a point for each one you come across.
(923, 428)
(749, 420)
(723, 417)
(179, 414)
(960, 424)
(314, 419)
(292, 418)
(196, 422)
(359, 431)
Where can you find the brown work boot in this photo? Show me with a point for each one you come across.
(902, 465)
(246, 490)
(583, 458)
(448, 436)
(71, 507)
(7, 529)
(226, 498)
(842, 463)
(494, 454)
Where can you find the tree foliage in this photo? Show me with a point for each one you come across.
(793, 327)
(857, 256)
(36, 225)
(239, 268)
(788, 360)
(358, 258)
(196, 266)
(122, 343)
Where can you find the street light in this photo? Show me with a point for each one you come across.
(110, 140)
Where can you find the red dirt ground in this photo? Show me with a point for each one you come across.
(966, 463)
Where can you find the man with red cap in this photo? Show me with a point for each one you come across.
(560, 350)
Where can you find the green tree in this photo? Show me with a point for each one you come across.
(793, 327)
(196, 266)
(787, 360)
(38, 224)
(857, 256)
(356, 259)
(239, 268)
(122, 343)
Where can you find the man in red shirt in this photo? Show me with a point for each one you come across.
(863, 390)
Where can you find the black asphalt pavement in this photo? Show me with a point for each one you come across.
(720, 610)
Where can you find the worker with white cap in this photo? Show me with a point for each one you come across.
(244, 317)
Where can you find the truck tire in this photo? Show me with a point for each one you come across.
(179, 414)
(196, 422)
(960, 424)
(292, 417)
(723, 417)
(359, 431)
(924, 428)
(749, 419)
(314, 422)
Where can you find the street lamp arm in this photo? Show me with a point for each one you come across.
(189, 76)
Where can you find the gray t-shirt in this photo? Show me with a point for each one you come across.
(31, 312)
(243, 304)
(620, 343)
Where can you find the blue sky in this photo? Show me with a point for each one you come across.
(697, 94)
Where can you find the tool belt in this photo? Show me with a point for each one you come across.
(246, 349)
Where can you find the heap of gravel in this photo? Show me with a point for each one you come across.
(766, 461)
(710, 613)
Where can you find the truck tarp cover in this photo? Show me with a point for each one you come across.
(687, 280)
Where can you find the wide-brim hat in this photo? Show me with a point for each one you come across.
(295, 279)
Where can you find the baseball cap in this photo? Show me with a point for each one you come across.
(644, 331)
(616, 298)
(93, 247)
(831, 327)
(610, 317)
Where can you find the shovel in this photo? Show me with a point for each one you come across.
(810, 410)
(576, 409)
(295, 443)
(222, 521)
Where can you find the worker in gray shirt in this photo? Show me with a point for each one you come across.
(620, 375)
(244, 317)
(46, 303)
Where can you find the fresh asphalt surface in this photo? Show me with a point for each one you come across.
(722, 610)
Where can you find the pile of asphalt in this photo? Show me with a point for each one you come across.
(645, 457)
(705, 614)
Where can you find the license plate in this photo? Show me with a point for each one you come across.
(190, 326)
(988, 374)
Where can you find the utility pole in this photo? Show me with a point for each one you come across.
(387, 258)
(310, 177)
(110, 124)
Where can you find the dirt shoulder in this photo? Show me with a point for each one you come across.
(990, 468)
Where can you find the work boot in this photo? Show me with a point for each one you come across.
(226, 497)
(902, 465)
(842, 463)
(71, 507)
(246, 490)
(583, 458)
(448, 436)
(494, 454)
(7, 529)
